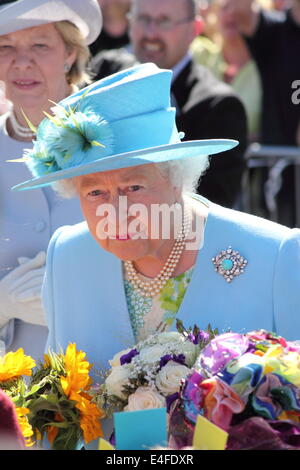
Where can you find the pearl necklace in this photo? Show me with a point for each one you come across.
(153, 287)
(19, 130)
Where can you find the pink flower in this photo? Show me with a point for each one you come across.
(220, 402)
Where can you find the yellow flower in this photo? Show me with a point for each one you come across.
(90, 416)
(25, 426)
(77, 370)
(15, 364)
(47, 361)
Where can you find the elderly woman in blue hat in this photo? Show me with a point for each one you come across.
(150, 250)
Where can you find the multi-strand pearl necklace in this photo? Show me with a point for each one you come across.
(20, 131)
(153, 287)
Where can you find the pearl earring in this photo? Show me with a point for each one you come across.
(67, 68)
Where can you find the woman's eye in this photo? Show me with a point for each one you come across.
(40, 46)
(95, 193)
(5, 48)
(134, 187)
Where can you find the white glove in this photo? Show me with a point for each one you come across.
(20, 291)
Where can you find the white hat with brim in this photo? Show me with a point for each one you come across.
(22, 14)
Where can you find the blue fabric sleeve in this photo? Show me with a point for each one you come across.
(287, 288)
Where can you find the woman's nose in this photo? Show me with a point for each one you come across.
(23, 59)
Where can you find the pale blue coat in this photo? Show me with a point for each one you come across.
(85, 301)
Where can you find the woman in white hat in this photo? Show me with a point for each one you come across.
(43, 56)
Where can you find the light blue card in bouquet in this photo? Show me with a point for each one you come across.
(140, 430)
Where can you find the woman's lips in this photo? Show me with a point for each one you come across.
(123, 237)
(128, 236)
(27, 84)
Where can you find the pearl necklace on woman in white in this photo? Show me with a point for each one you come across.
(153, 287)
(21, 131)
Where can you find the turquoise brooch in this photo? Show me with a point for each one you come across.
(229, 263)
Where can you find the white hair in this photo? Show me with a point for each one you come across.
(184, 173)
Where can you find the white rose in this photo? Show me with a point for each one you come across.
(169, 378)
(152, 354)
(115, 361)
(144, 398)
(116, 380)
(190, 351)
(169, 337)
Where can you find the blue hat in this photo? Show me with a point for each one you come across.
(121, 121)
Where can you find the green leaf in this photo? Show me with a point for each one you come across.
(33, 390)
(59, 425)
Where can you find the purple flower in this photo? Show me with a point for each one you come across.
(127, 358)
(201, 336)
(180, 358)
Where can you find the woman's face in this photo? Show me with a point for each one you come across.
(227, 23)
(121, 209)
(32, 65)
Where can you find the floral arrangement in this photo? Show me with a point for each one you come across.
(150, 374)
(56, 402)
(60, 405)
(248, 385)
(13, 367)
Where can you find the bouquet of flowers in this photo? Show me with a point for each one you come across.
(248, 385)
(13, 367)
(150, 374)
(59, 403)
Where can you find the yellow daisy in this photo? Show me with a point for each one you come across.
(15, 364)
(77, 371)
(90, 416)
(25, 426)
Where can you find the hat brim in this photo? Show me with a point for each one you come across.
(29, 13)
(164, 153)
